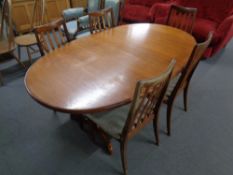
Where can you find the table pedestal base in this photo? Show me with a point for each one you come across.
(94, 132)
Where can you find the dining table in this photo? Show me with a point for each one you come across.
(99, 72)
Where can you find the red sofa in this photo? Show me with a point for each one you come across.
(138, 10)
(214, 15)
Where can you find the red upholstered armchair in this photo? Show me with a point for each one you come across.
(216, 16)
(137, 10)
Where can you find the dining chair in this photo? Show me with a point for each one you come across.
(7, 45)
(28, 40)
(181, 82)
(52, 36)
(92, 6)
(101, 20)
(71, 17)
(146, 102)
(115, 5)
(182, 18)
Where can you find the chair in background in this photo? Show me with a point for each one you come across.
(51, 36)
(92, 6)
(101, 20)
(29, 40)
(182, 81)
(144, 109)
(115, 5)
(71, 17)
(182, 18)
(7, 45)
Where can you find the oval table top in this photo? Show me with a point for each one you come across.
(99, 72)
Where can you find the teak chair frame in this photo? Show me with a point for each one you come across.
(6, 28)
(184, 80)
(101, 20)
(147, 99)
(182, 18)
(54, 34)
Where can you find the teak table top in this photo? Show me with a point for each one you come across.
(99, 72)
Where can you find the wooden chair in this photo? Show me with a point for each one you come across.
(182, 18)
(7, 45)
(182, 81)
(101, 20)
(144, 109)
(51, 36)
(29, 40)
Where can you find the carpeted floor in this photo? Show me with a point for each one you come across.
(35, 141)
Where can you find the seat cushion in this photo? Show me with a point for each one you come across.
(136, 13)
(111, 122)
(201, 29)
(84, 22)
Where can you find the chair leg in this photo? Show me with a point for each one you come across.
(29, 55)
(123, 157)
(19, 52)
(1, 79)
(18, 60)
(169, 111)
(156, 129)
(185, 96)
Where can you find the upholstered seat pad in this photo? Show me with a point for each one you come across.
(136, 13)
(111, 122)
(72, 27)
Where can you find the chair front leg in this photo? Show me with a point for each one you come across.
(1, 79)
(169, 113)
(156, 129)
(123, 145)
(185, 96)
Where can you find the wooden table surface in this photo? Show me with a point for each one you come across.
(99, 72)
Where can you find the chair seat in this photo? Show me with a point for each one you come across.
(172, 85)
(83, 33)
(112, 122)
(72, 27)
(5, 47)
(26, 40)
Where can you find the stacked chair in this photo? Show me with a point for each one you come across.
(78, 24)
(7, 45)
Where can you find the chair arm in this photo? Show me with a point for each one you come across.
(225, 31)
(160, 10)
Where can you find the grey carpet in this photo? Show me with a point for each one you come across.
(35, 141)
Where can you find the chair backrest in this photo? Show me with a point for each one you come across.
(192, 64)
(51, 36)
(38, 14)
(73, 13)
(182, 18)
(146, 102)
(115, 5)
(94, 5)
(101, 20)
(6, 31)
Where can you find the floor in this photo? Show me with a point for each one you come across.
(34, 140)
